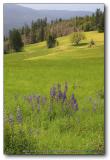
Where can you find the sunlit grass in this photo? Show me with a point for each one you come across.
(36, 69)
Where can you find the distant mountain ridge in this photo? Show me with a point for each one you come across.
(16, 16)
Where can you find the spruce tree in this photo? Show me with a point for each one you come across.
(15, 40)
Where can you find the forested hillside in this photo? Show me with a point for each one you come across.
(41, 29)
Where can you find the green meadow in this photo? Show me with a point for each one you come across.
(33, 72)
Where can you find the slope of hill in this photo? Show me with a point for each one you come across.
(16, 15)
(36, 69)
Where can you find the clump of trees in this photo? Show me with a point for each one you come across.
(15, 40)
(34, 33)
(51, 41)
(77, 37)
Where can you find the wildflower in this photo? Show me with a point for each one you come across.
(72, 97)
(64, 96)
(75, 101)
(72, 104)
(59, 94)
(38, 103)
(43, 100)
(19, 115)
(66, 86)
(38, 99)
(11, 120)
(30, 99)
(54, 91)
(76, 107)
(51, 92)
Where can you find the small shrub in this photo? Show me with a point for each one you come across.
(77, 37)
(91, 43)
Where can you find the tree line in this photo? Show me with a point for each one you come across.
(41, 30)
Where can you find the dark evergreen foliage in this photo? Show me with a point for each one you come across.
(51, 41)
(15, 39)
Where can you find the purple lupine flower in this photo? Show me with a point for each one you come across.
(11, 120)
(19, 116)
(64, 96)
(72, 104)
(66, 86)
(51, 92)
(76, 107)
(30, 99)
(38, 103)
(54, 91)
(75, 101)
(43, 100)
(59, 94)
(38, 99)
(72, 97)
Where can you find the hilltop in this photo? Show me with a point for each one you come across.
(16, 15)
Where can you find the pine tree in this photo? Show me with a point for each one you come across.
(15, 40)
(51, 41)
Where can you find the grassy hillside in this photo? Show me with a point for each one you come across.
(33, 72)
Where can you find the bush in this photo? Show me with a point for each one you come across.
(51, 41)
(77, 37)
(91, 43)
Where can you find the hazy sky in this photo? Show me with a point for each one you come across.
(84, 7)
